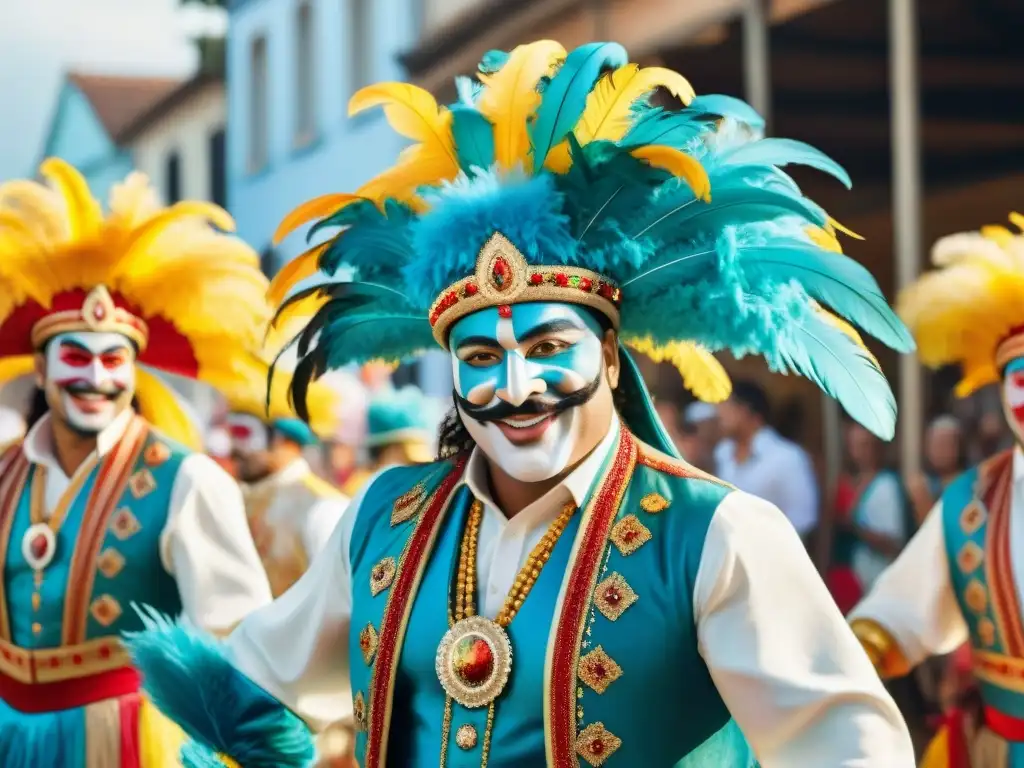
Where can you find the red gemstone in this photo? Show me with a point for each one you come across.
(54, 662)
(76, 659)
(472, 660)
(505, 311)
(471, 289)
(612, 595)
(605, 290)
(562, 280)
(629, 535)
(599, 671)
(586, 283)
(536, 278)
(39, 546)
(597, 746)
(364, 642)
(99, 312)
(104, 652)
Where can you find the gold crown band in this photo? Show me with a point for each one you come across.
(1009, 349)
(503, 278)
(98, 314)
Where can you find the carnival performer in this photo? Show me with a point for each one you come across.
(959, 577)
(561, 590)
(99, 508)
(292, 512)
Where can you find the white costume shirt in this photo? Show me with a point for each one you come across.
(292, 514)
(205, 544)
(777, 470)
(781, 655)
(882, 509)
(914, 598)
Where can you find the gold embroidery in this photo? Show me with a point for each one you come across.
(125, 524)
(595, 744)
(970, 557)
(654, 503)
(156, 454)
(976, 596)
(466, 737)
(599, 670)
(613, 596)
(987, 632)
(141, 483)
(382, 575)
(629, 534)
(105, 609)
(368, 642)
(110, 562)
(972, 518)
(359, 711)
(407, 505)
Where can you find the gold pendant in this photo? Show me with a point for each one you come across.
(474, 661)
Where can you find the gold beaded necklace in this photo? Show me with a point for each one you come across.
(474, 659)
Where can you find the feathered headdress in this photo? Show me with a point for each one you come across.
(970, 310)
(250, 396)
(553, 178)
(188, 295)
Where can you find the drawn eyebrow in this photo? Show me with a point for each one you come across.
(553, 326)
(477, 341)
(82, 348)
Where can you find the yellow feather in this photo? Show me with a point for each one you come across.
(138, 257)
(837, 226)
(160, 407)
(84, 213)
(702, 374)
(1000, 235)
(15, 367)
(680, 164)
(559, 160)
(823, 239)
(607, 113)
(317, 208)
(412, 112)
(510, 97)
(302, 266)
(1017, 220)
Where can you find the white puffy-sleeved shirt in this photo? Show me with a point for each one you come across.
(914, 599)
(784, 661)
(205, 544)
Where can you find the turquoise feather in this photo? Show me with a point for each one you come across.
(782, 152)
(727, 106)
(474, 138)
(492, 61)
(565, 97)
(189, 679)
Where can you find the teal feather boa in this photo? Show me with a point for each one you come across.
(190, 680)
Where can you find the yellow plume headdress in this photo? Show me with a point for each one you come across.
(970, 310)
(185, 292)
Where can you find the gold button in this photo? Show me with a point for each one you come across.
(465, 737)
(37, 628)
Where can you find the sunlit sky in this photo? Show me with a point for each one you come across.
(42, 39)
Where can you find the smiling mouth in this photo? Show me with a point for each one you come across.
(522, 430)
(90, 400)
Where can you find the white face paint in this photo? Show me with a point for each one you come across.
(249, 434)
(543, 352)
(90, 378)
(1013, 397)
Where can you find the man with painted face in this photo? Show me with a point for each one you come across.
(100, 507)
(561, 589)
(959, 579)
(291, 511)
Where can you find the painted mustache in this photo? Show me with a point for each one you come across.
(82, 388)
(541, 405)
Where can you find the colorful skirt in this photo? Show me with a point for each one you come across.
(121, 732)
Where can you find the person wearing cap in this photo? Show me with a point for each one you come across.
(560, 588)
(108, 502)
(292, 512)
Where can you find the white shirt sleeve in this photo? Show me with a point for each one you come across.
(913, 599)
(321, 520)
(296, 648)
(883, 508)
(798, 489)
(206, 546)
(783, 659)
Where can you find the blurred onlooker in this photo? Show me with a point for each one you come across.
(702, 431)
(944, 459)
(877, 523)
(756, 459)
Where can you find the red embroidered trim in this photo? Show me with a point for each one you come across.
(674, 467)
(998, 565)
(14, 466)
(580, 591)
(110, 484)
(396, 614)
